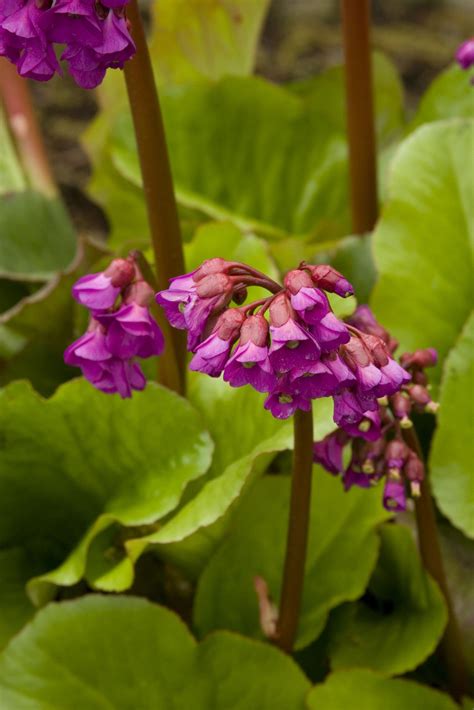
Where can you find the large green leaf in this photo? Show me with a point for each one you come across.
(343, 531)
(222, 139)
(452, 455)
(246, 438)
(423, 241)
(125, 653)
(401, 621)
(373, 692)
(82, 462)
(449, 96)
(15, 607)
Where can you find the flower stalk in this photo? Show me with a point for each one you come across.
(298, 529)
(451, 646)
(158, 189)
(360, 114)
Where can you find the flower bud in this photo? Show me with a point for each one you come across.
(421, 397)
(140, 293)
(327, 278)
(296, 280)
(420, 358)
(364, 320)
(229, 324)
(214, 285)
(395, 456)
(255, 329)
(401, 406)
(210, 267)
(120, 272)
(414, 469)
(280, 310)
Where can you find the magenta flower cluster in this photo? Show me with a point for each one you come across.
(375, 453)
(120, 330)
(95, 34)
(289, 345)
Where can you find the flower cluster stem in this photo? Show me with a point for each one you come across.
(451, 646)
(360, 114)
(158, 190)
(24, 127)
(298, 529)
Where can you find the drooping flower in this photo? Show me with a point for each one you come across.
(250, 363)
(328, 452)
(95, 34)
(121, 328)
(211, 355)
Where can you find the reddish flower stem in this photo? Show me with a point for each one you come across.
(451, 646)
(158, 191)
(360, 114)
(298, 529)
(16, 100)
(361, 135)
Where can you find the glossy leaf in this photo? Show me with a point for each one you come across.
(124, 653)
(449, 96)
(75, 465)
(400, 623)
(423, 241)
(255, 546)
(452, 471)
(373, 692)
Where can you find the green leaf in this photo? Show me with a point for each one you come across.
(255, 546)
(401, 622)
(75, 465)
(36, 236)
(449, 96)
(374, 692)
(424, 289)
(452, 454)
(191, 39)
(125, 653)
(15, 607)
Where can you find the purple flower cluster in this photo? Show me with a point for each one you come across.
(300, 353)
(120, 328)
(95, 34)
(374, 443)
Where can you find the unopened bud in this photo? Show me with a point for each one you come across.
(140, 293)
(280, 310)
(327, 278)
(414, 469)
(214, 285)
(415, 489)
(255, 329)
(420, 358)
(120, 272)
(210, 267)
(229, 324)
(296, 280)
(401, 405)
